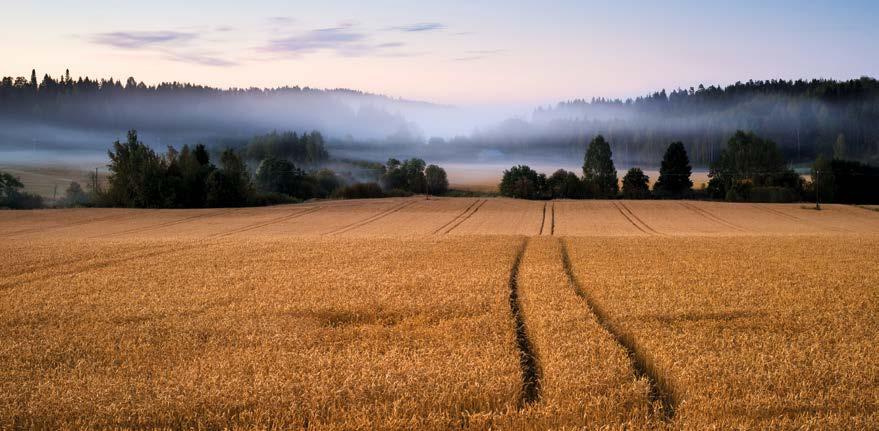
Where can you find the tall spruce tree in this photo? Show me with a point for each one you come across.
(599, 173)
(674, 174)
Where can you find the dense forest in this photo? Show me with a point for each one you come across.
(56, 110)
(805, 118)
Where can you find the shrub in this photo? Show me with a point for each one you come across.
(360, 191)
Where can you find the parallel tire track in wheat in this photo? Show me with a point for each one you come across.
(777, 212)
(165, 224)
(79, 269)
(64, 226)
(706, 214)
(250, 227)
(467, 217)
(370, 219)
(660, 391)
(629, 219)
(461, 214)
(527, 357)
(634, 216)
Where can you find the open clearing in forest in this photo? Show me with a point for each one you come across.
(446, 313)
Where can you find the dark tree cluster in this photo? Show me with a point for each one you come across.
(845, 181)
(12, 196)
(308, 149)
(141, 178)
(413, 176)
(752, 168)
(522, 182)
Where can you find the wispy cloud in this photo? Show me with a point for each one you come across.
(419, 27)
(281, 20)
(141, 39)
(202, 59)
(343, 40)
(478, 54)
(171, 45)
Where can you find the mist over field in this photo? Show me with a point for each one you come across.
(74, 121)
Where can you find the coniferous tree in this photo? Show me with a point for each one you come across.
(599, 172)
(674, 174)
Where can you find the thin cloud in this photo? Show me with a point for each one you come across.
(419, 27)
(343, 40)
(201, 59)
(141, 39)
(172, 45)
(486, 51)
(479, 54)
(281, 20)
(470, 58)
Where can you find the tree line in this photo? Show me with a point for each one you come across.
(806, 119)
(750, 168)
(140, 177)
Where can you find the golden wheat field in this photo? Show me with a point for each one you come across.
(448, 313)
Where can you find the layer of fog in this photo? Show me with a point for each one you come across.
(368, 127)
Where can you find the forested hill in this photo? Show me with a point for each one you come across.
(35, 108)
(805, 118)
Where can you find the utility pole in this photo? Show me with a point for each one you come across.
(817, 188)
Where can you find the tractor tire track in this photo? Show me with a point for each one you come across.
(371, 219)
(527, 357)
(811, 223)
(632, 222)
(542, 220)
(164, 224)
(461, 214)
(66, 262)
(275, 220)
(156, 251)
(777, 212)
(466, 218)
(646, 226)
(64, 226)
(552, 224)
(712, 217)
(661, 394)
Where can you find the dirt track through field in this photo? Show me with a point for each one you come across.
(542, 220)
(527, 357)
(704, 213)
(661, 393)
(466, 217)
(166, 224)
(630, 220)
(369, 219)
(459, 215)
(64, 226)
(144, 253)
(294, 215)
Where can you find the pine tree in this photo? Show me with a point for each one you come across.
(674, 174)
(599, 173)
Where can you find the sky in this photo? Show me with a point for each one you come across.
(471, 53)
